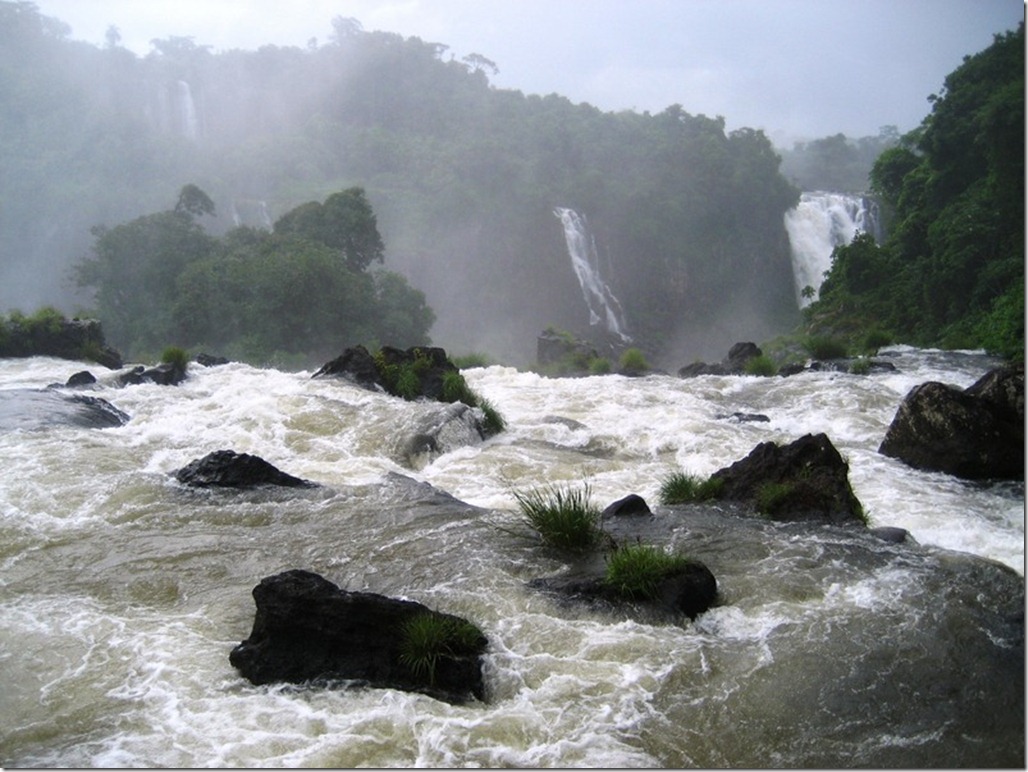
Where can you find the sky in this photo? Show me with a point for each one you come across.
(798, 69)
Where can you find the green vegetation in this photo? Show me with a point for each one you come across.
(951, 272)
(824, 347)
(633, 360)
(635, 571)
(474, 359)
(770, 496)
(562, 516)
(761, 365)
(300, 291)
(681, 488)
(175, 356)
(599, 366)
(427, 637)
(860, 366)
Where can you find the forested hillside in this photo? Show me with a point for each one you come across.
(462, 177)
(951, 272)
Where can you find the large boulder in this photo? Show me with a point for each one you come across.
(58, 337)
(564, 352)
(413, 373)
(164, 374)
(228, 469)
(356, 365)
(306, 629)
(805, 480)
(442, 430)
(975, 433)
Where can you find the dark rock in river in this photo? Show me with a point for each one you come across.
(976, 433)
(64, 338)
(164, 374)
(632, 504)
(356, 365)
(228, 469)
(308, 630)
(733, 364)
(442, 430)
(805, 480)
(562, 350)
(39, 409)
(419, 371)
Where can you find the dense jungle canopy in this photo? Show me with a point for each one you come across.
(460, 177)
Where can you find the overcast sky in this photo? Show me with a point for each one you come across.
(795, 68)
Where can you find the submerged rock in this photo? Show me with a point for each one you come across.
(42, 408)
(734, 362)
(976, 433)
(308, 630)
(228, 469)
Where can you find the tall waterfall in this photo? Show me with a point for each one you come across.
(187, 123)
(818, 224)
(602, 304)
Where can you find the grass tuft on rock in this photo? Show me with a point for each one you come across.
(636, 571)
(681, 488)
(562, 515)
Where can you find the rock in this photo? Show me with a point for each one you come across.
(451, 426)
(80, 379)
(228, 469)
(734, 363)
(691, 590)
(356, 365)
(975, 434)
(58, 337)
(31, 409)
(632, 504)
(891, 533)
(746, 417)
(805, 480)
(308, 630)
(165, 374)
(209, 360)
(564, 350)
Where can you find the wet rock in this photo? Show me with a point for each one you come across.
(308, 630)
(32, 409)
(444, 430)
(976, 433)
(209, 360)
(356, 365)
(228, 469)
(81, 379)
(63, 338)
(632, 504)
(164, 374)
(805, 480)
(739, 355)
(746, 417)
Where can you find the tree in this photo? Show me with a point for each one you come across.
(344, 222)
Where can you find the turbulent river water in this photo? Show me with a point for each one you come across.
(122, 592)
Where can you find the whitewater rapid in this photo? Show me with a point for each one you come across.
(123, 592)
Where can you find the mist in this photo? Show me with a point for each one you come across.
(686, 214)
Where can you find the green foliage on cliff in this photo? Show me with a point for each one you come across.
(301, 289)
(951, 272)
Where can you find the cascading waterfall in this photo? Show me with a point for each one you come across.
(819, 223)
(188, 125)
(601, 301)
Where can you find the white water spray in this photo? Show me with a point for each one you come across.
(818, 224)
(185, 108)
(599, 298)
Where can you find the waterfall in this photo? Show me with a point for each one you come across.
(188, 125)
(818, 224)
(601, 302)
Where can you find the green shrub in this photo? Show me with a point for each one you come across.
(633, 360)
(824, 347)
(681, 488)
(456, 389)
(761, 365)
(176, 356)
(636, 571)
(875, 339)
(408, 383)
(599, 366)
(47, 319)
(860, 366)
(426, 637)
(770, 496)
(494, 421)
(468, 361)
(562, 516)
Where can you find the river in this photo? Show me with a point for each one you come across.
(123, 592)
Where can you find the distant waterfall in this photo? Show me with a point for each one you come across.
(188, 125)
(174, 110)
(601, 302)
(818, 224)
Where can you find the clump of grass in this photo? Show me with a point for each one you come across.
(426, 637)
(761, 365)
(175, 356)
(825, 347)
(408, 383)
(468, 361)
(770, 496)
(633, 361)
(599, 366)
(456, 389)
(494, 421)
(860, 366)
(877, 338)
(636, 571)
(681, 488)
(563, 516)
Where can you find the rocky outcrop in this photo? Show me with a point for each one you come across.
(563, 352)
(228, 469)
(733, 364)
(164, 374)
(443, 430)
(308, 630)
(414, 373)
(975, 433)
(356, 365)
(30, 409)
(58, 337)
(805, 480)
